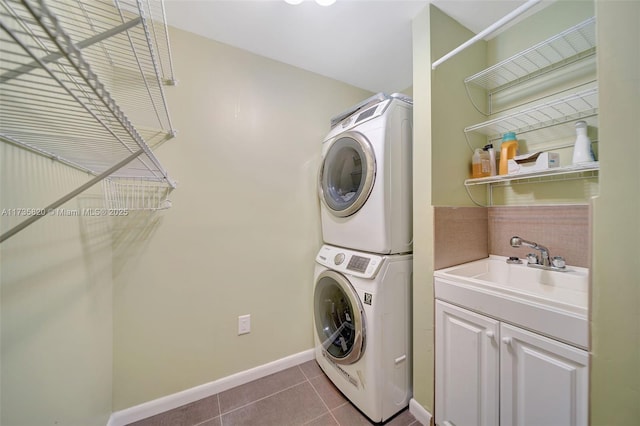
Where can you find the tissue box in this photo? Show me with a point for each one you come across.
(534, 162)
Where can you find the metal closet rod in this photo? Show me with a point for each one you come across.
(19, 227)
(482, 34)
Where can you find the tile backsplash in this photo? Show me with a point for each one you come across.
(463, 234)
(563, 229)
(460, 235)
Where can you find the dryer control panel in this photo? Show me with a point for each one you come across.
(350, 262)
(358, 118)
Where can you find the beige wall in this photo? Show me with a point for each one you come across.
(243, 231)
(100, 315)
(56, 299)
(452, 111)
(615, 364)
(423, 331)
(440, 163)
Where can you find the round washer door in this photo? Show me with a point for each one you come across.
(339, 318)
(347, 174)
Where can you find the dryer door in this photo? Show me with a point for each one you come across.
(339, 318)
(347, 174)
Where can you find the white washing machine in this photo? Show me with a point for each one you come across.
(365, 178)
(362, 319)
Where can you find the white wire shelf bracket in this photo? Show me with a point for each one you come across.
(567, 47)
(572, 107)
(577, 171)
(74, 78)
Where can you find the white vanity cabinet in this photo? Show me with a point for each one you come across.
(492, 373)
(542, 381)
(467, 367)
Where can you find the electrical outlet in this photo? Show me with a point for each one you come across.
(244, 324)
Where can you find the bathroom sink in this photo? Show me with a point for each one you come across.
(549, 302)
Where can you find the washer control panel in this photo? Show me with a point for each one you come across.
(358, 263)
(350, 262)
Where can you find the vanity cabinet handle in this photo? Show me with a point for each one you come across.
(400, 359)
(490, 334)
(507, 340)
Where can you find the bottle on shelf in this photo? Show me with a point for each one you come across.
(508, 150)
(582, 152)
(476, 164)
(492, 159)
(480, 164)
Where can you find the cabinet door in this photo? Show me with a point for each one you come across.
(542, 382)
(467, 357)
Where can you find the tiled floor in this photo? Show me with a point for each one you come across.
(300, 395)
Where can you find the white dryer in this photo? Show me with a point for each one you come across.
(362, 318)
(365, 177)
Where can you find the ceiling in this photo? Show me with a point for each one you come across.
(365, 43)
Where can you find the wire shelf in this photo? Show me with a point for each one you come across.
(52, 101)
(574, 171)
(123, 195)
(550, 113)
(548, 117)
(562, 49)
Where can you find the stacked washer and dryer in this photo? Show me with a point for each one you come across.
(363, 273)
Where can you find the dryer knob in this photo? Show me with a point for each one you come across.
(338, 259)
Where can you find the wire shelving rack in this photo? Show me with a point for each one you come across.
(74, 78)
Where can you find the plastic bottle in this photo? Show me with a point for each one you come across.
(508, 150)
(582, 152)
(492, 159)
(476, 164)
(485, 162)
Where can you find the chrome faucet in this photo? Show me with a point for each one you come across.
(544, 252)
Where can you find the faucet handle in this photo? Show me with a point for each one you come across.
(558, 262)
(533, 258)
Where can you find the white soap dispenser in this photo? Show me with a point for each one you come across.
(582, 152)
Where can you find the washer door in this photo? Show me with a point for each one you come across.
(339, 318)
(347, 174)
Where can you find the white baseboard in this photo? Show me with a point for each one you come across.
(420, 413)
(169, 402)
